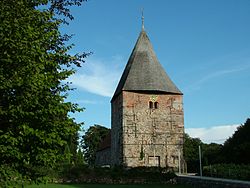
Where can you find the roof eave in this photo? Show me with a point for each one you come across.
(147, 92)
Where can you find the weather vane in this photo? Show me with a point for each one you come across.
(142, 18)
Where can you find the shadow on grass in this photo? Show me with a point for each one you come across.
(107, 186)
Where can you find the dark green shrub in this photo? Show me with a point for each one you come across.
(229, 171)
(10, 177)
(116, 174)
(74, 171)
(148, 174)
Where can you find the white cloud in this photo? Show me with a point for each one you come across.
(231, 64)
(197, 85)
(99, 76)
(88, 102)
(216, 134)
(221, 73)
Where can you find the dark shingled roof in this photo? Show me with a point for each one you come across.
(143, 71)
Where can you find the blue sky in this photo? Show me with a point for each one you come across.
(204, 46)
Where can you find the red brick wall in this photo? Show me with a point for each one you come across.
(152, 134)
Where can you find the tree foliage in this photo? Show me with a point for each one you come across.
(91, 141)
(211, 153)
(34, 61)
(80, 158)
(191, 153)
(234, 151)
(236, 148)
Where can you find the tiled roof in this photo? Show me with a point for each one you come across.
(143, 71)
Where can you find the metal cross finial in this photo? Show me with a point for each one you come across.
(142, 19)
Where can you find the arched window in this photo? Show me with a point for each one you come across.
(156, 105)
(151, 104)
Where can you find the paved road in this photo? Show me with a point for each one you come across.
(230, 181)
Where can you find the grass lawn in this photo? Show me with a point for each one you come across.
(105, 186)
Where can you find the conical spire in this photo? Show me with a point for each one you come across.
(143, 71)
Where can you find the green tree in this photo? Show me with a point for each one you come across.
(73, 144)
(236, 148)
(91, 141)
(34, 62)
(211, 153)
(80, 158)
(191, 153)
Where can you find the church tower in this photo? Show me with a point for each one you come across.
(147, 124)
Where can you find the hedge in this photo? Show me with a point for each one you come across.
(229, 171)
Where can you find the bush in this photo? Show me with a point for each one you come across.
(229, 171)
(74, 171)
(152, 174)
(10, 177)
(17, 176)
(83, 173)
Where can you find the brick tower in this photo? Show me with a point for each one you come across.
(147, 123)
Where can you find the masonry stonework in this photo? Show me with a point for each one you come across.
(116, 131)
(150, 136)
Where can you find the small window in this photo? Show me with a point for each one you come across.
(156, 105)
(151, 104)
